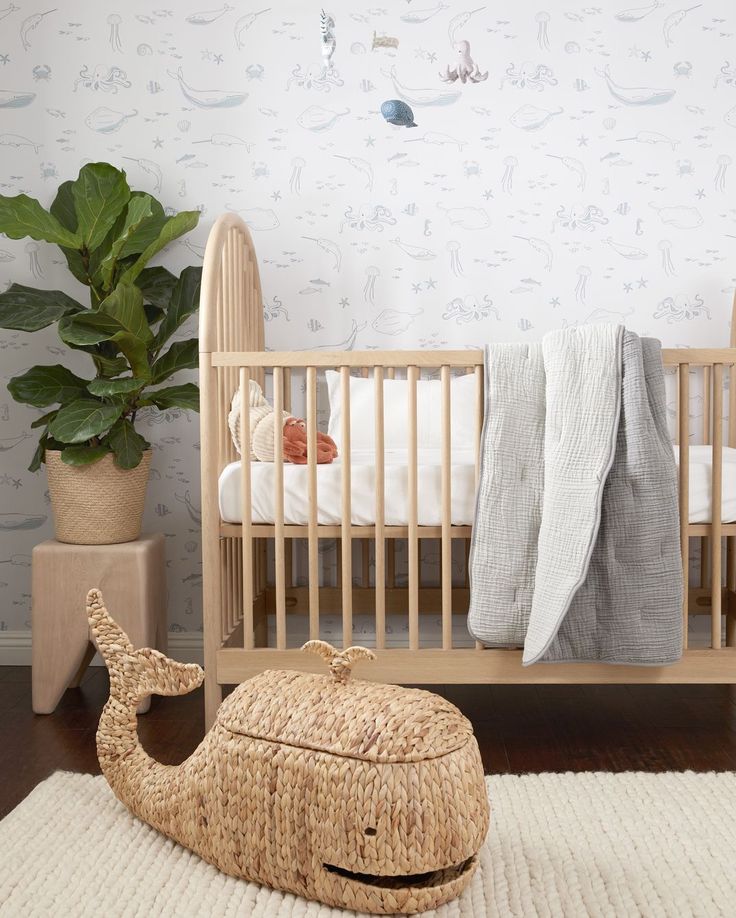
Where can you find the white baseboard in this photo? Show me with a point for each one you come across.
(15, 648)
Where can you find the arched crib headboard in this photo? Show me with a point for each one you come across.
(230, 320)
(231, 305)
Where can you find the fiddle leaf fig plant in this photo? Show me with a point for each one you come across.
(108, 234)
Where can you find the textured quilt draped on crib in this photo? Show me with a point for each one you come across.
(575, 552)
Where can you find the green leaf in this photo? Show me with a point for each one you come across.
(173, 228)
(182, 355)
(153, 313)
(183, 303)
(100, 194)
(184, 396)
(43, 421)
(42, 386)
(62, 207)
(22, 216)
(157, 285)
(127, 444)
(103, 388)
(136, 353)
(83, 455)
(125, 305)
(88, 328)
(145, 234)
(27, 309)
(139, 208)
(108, 366)
(39, 454)
(83, 419)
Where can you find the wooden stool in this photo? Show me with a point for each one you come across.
(132, 576)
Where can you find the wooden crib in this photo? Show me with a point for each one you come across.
(241, 597)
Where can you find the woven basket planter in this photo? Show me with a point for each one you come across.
(98, 504)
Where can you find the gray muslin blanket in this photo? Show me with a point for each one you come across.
(575, 553)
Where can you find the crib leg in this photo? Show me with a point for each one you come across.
(731, 591)
(212, 696)
(260, 618)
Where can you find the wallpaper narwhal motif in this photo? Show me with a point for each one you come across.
(567, 165)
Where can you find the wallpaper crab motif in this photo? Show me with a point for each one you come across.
(589, 177)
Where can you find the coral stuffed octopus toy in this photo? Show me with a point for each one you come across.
(263, 429)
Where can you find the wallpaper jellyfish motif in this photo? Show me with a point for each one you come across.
(453, 247)
(34, 266)
(114, 20)
(369, 290)
(665, 249)
(583, 272)
(295, 180)
(722, 162)
(597, 170)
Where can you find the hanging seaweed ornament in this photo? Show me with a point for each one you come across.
(398, 113)
(329, 43)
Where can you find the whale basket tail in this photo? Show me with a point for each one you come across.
(136, 673)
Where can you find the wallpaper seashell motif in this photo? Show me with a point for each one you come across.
(581, 171)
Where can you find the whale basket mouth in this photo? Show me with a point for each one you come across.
(430, 879)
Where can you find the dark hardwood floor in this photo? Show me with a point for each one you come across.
(519, 728)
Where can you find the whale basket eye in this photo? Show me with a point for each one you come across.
(369, 831)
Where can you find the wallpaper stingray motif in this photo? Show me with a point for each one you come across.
(569, 164)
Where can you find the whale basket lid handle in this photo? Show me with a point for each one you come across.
(341, 661)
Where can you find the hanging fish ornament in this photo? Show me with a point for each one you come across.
(329, 43)
(398, 113)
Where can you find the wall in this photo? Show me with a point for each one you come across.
(587, 178)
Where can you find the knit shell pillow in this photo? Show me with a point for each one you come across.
(263, 426)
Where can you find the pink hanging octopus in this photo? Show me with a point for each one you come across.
(465, 69)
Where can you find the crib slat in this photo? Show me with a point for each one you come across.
(684, 446)
(380, 541)
(246, 509)
(391, 547)
(716, 492)
(312, 540)
(412, 375)
(705, 541)
(347, 515)
(289, 544)
(287, 389)
(365, 552)
(706, 404)
(278, 502)
(446, 500)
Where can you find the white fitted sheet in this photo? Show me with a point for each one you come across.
(363, 484)
(329, 489)
(700, 489)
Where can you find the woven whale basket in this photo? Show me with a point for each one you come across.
(356, 794)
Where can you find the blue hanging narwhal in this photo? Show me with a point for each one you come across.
(399, 113)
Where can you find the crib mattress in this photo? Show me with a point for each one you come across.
(363, 490)
(363, 474)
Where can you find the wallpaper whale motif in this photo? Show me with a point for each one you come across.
(568, 164)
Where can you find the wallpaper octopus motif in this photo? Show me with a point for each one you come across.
(569, 164)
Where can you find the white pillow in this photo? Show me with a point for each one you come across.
(396, 412)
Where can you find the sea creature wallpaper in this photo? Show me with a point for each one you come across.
(415, 174)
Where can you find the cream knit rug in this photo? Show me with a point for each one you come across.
(569, 845)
